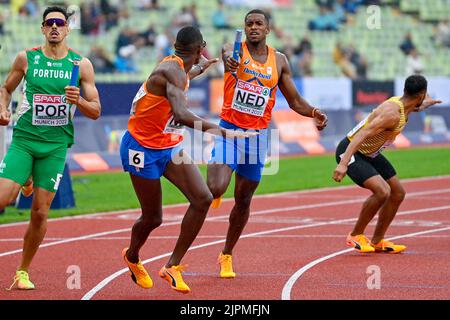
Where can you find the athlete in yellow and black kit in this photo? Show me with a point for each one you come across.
(359, 156)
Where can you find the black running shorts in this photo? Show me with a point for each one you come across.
(362, 167)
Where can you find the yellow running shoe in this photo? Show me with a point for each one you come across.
(23, 281)
(173, 276)
(137, 272)
(27, 190)
(216, 203)
(360, 243)
(388, 246)
(226, 265)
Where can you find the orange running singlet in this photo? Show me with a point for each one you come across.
(151, 122)
(249, 95)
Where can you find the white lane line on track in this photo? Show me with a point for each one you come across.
(113, 276)
(271, 195)
(221, 236)
(286, 292)
(255, 213)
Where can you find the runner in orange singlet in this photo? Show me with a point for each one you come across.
(151, 149)
(249, 97)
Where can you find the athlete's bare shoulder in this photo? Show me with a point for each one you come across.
(22, 54)
(167, 71)
(389, 108)
(86, 68)
(280, 55)
(387, 112)
(21, 58)
(282, 62)
(20, 64)
(85, 62)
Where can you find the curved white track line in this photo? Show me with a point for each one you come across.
(113, 276)
(259, 212)
(286, 293)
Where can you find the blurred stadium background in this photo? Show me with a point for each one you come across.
(347, 56)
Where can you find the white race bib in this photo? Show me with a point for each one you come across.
(250, 98)
(50, 110)
(136, 158)
(352, 159)
(141, 92)
(357, 127)
(384, 146)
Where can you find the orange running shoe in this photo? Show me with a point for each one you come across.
(216, 203)
(27, 189)
(226, 266)
(388, 246)
(137, 272)
(173, 276)
(360, 243)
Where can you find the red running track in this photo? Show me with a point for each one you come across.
(292, 248)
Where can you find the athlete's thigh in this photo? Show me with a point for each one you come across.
(42, 200)
(224, 151)
(255, 155)
(244, 188)
(9, 190)
(376, 184)
(148, 192)
(48, 171)
(218, 176)
(360, 169)
(185, 175)
(17, 164)
(383, 166)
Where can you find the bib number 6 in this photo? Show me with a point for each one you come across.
(136, 158)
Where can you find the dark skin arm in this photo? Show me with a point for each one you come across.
(169, 80)
(427, 102)
(201, 67)
(296, 102)
(384, 117)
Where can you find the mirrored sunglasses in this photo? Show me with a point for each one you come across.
(52, 21)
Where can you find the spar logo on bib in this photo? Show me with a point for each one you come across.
(250, 98)
(50, 110)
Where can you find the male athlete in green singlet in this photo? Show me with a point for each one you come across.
(44, 130)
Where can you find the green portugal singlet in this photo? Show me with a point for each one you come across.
(44, 113)
(44, 130)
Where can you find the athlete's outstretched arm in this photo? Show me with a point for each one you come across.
(427, 102)
(201, 67)
(13, 79)
(296, 102)
(381, 120)
(175, 84)
(89, 104)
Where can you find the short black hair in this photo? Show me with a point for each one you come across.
(258, 11)
(189, 36)
(55, 9)
(415, 85)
